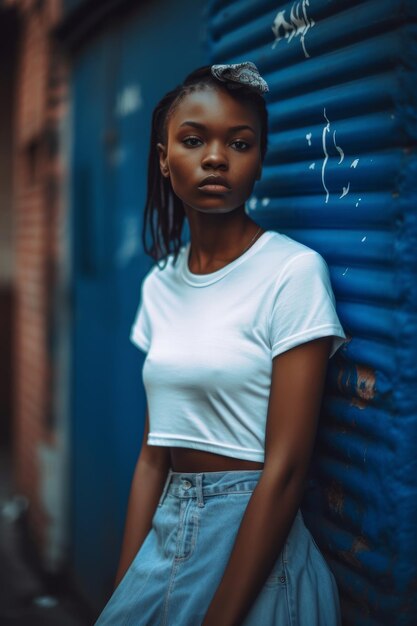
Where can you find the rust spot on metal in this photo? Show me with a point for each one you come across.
(360, 382)
(359, 544)
(365, 386)
(336, 497)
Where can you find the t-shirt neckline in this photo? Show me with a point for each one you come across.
(202, 280)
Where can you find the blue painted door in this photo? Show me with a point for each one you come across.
(117, 79)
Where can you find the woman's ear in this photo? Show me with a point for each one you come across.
(163, 161)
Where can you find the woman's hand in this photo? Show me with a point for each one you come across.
(297, 384)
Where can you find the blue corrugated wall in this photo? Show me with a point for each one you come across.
(341, 177)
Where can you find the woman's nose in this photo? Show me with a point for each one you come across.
(215, 157)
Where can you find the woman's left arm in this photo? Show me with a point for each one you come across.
(298, 377)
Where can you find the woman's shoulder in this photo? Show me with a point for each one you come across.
(164, 269)
(284, 250)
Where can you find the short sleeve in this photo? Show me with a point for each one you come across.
(140, 333)
(304, 305)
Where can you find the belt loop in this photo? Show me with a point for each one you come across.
(165, 489)
(199, 489)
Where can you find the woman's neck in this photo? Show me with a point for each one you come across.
(217, 240)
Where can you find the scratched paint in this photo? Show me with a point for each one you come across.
(129, 241)
(308, 137)
(326, 129)
(359, 545)
(297, 25)
(265, 202)
(363, 239)
(365, 387)
(252, 203)
(345, 191)
(129, 100)
(312, 166)
(339, 149)
(357, 204)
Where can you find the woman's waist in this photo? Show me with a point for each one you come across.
(198, 449)
(191, 460)
(210, 483)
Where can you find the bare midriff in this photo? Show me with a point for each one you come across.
(189, 460)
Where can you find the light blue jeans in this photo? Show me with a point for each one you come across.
(175, 573)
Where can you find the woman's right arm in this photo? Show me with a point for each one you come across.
(148, 481)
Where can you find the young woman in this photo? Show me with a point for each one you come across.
(238, 326)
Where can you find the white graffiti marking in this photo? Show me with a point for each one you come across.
(265, 201)
(338, 148)
(312, 166)
(357, 204)
(345, 191)
(297, 26)
(308, 137)
(326, 129)
(363, 239)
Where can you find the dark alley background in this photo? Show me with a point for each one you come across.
(78, 83)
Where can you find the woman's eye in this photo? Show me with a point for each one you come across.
(240, 145)
(191, 141)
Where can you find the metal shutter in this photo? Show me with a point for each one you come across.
(341, 177)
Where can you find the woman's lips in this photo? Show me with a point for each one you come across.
(214, 188)
(214, 184)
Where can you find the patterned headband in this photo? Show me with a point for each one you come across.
(244, 74)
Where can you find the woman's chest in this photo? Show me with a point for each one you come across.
(209, 338)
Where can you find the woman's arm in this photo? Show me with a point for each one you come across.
(297, 385)
(147, 484)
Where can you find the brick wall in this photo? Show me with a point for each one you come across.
(40, 104)
(8, 38)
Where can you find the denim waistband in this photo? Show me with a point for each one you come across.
(201, 485)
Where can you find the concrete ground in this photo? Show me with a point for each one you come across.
(28, 597)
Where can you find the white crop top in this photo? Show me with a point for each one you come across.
(210, 340)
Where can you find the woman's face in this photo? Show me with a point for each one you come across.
(212, 156)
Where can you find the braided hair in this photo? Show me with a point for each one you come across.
(164, 212)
